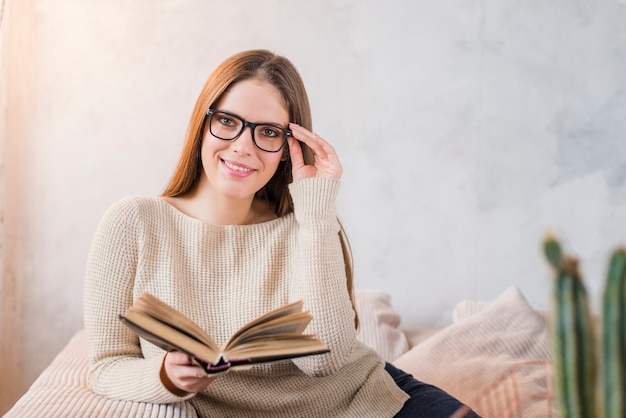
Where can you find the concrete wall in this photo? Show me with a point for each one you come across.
(467, 128)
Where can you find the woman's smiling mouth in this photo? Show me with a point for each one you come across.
(236, 169)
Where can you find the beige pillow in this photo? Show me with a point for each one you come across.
(378, 324)
(494, 357)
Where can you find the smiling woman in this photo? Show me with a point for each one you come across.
(245, 225)
(235, 167)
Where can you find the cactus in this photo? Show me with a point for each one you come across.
(613, 385)
(573, 342)
(573, 339)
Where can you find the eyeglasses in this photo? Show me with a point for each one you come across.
(266, 137)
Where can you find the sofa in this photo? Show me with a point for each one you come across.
(494, 356)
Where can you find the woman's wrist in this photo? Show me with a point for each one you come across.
(315, 199)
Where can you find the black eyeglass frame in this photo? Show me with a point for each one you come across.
(211, 112)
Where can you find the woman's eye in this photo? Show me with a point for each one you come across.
(270, 132)
(226, 121)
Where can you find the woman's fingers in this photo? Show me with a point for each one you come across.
(299, 170)
(184, 374)
(318, 145)
(325, 160)
(179, 358)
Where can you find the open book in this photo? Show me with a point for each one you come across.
(277, 335)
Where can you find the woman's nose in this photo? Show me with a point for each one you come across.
(245, 141)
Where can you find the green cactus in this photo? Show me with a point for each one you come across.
(613, 386)
(573, 341)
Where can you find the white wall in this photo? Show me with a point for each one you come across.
(466, 128)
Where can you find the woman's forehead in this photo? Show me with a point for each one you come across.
(254, 100)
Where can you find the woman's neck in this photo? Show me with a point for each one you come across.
(221, 211)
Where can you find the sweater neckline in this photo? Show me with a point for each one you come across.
(178, 213)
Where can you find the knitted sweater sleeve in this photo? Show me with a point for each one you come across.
(117, 367)
(319, 274)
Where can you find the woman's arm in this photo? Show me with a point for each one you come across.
(118, 368)
(320, 275)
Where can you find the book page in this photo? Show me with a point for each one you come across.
(166, 337)
(160, 310)
(280, 347)
(291, 324)
(289, 309)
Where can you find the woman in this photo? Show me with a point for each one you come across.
(247, 223)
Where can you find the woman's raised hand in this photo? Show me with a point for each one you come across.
(325, 160)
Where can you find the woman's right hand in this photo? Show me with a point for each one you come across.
(180, 375)
(325, 160)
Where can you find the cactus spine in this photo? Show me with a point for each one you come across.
(573, 343)
(614, 338)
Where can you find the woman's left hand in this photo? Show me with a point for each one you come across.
(325, 160)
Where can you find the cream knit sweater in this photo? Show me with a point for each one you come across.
(222, 277)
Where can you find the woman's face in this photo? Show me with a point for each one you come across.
(237, 169)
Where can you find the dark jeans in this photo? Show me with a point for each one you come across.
(426, 400)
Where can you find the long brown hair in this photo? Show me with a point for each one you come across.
(281, 73)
